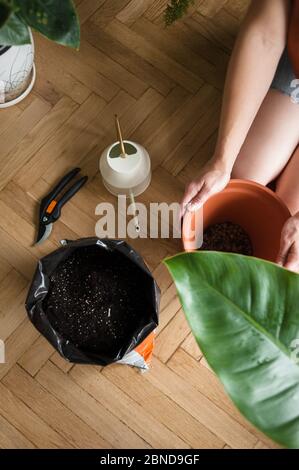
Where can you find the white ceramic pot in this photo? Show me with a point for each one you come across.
(17, 73)
(128, 176)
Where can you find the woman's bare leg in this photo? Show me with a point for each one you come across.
(271, 141)
(288, 183)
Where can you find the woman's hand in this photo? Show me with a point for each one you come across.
(288, 256)
(212, 179)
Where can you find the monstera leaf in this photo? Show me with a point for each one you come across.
(55, 19)
(244, 314)
(14, 31)
(5, 12)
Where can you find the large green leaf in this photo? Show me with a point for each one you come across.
(55, 19)
(244, 313)
(14, 32)
(5, 11)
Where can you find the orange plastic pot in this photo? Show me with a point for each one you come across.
(254, 207)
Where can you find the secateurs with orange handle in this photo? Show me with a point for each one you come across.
(50, 207)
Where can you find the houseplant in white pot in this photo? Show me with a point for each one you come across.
(176, 9)
(55, 19)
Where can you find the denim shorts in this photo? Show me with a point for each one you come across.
(285, 76)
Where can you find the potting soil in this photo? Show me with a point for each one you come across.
(228, 237)
(97, 298)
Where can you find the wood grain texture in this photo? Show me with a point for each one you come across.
(165, 84)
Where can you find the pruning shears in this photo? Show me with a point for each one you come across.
(50, 207)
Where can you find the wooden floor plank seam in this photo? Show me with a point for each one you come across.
(100, 408)
(24, 399)
(170, 399)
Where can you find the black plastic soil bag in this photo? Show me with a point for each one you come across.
(94, 300)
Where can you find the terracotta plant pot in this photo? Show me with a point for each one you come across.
(254, 207)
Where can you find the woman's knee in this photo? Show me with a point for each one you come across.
(241, 171)
(287, 188)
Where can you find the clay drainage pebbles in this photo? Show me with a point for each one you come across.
(97, 299)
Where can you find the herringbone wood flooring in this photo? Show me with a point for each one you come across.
(165, 84)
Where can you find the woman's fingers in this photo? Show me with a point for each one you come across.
(191, 192)
(212, 180)
(200, 198)
(288, 255)
(292, 258)
(283, 251)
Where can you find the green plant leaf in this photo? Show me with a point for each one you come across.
(244, 314)
(55, 19)
(14, 32)
(5, 11)
(175, 10)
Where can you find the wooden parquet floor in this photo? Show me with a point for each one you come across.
(166, 85)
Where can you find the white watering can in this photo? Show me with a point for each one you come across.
(125, 167)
